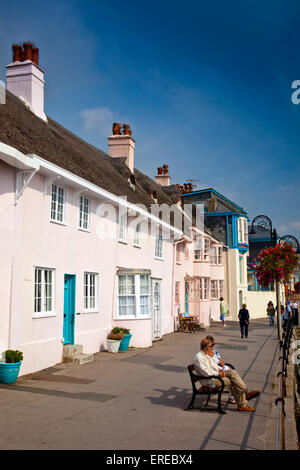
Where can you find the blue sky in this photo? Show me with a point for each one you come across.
(205, 86)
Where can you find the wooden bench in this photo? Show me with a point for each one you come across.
(207, 390)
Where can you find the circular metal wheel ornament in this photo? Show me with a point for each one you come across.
(263, 222)
(290, 240)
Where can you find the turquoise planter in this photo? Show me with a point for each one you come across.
(9, 372)
(125, 343)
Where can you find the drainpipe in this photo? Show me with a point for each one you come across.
(173, 277)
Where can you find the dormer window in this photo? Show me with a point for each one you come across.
(131, 181)
(154, 197)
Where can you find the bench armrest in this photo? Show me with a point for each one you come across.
(202, 377)
(229, 365)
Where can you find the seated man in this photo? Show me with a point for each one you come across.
(206, 365)
(217, 357)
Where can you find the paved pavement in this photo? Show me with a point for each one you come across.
(136, 399)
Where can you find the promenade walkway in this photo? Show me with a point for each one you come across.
(136, 399)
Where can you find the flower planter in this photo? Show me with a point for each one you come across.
(125, 343)
(113, 345)
(9, 372)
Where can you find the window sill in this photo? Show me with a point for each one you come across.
(58, 222)
(44, 315)
(84, 312)
(87, 230)
(159, 259)
(124, 242)
(137, 246)
(132, 318)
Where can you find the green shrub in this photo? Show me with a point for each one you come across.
(13, 356)
(116, 330)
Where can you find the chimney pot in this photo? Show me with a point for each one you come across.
(166, 169)
(27, 51)
(126, 130)
(116, 128)
(17, 49)
(159, 170)
(35, 55)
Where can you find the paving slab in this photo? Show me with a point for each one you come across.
(137, 399)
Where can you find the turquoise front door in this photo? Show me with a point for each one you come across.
(69, 308)
(186, 297)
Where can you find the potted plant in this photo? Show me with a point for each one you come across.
(113, 342)
(9, 370)
(126, 337)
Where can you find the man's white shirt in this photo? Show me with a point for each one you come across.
(206, 365)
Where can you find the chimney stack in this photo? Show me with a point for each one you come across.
(122, 144)
(25, 79)
(163, 178)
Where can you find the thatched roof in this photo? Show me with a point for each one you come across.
(20, 128)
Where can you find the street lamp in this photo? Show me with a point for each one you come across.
(263, 223)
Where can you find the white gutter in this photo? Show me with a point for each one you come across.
(15, 158)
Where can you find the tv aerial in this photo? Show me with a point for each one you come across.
(192, 181)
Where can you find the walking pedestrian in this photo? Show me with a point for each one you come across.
(244, 318)
(223, 311)
(271, 312)
(287, 313)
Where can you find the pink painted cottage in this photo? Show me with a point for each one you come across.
(83, 247)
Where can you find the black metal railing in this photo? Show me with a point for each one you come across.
(285, 344)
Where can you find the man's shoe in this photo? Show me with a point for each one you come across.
(246, 408)
(253, 394)
(231, 400)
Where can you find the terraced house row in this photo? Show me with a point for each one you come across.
(85, 244)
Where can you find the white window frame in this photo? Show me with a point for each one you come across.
(89, 285)
(136, 294)
(213, 255)
(242, 227)
(214, 289)
(63, 204)
(123, 226)
(245, 231)
(137, 235)
(159, 245)
(43, 312)
(198, 248)
(206, 252)
(82, 220)
(206, 288)
(220, 254)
